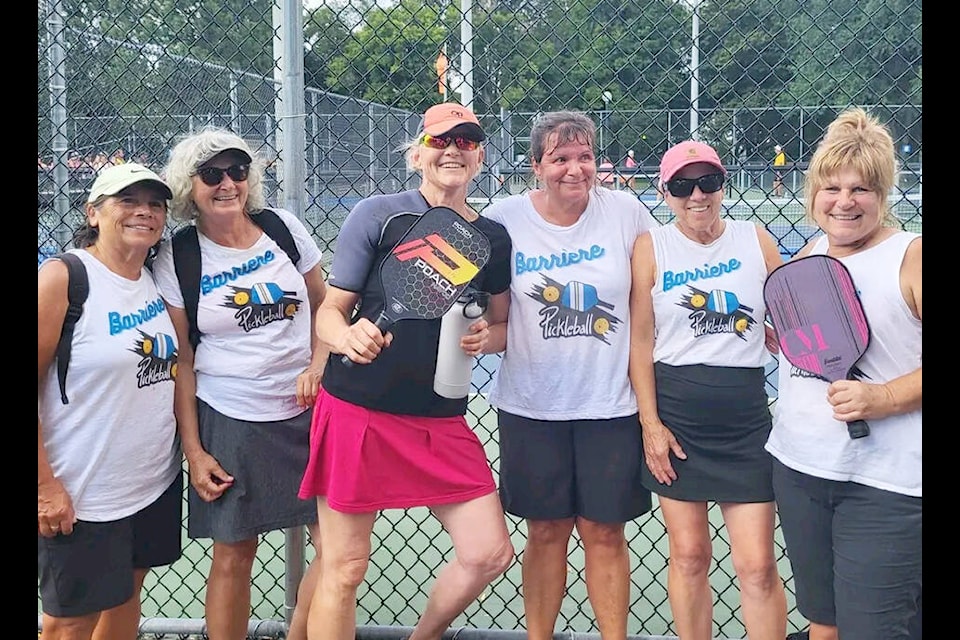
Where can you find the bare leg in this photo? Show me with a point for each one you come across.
(607, 565)
(688, 585)
(308, 585)
(544, 574)
(823, 632)
(346, 555)
(762, 596)
(78, 628)
(228, 589)
(123, 621)
(482, 551)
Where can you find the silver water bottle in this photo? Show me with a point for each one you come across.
(454, 367)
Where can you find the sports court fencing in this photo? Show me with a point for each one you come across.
(329, 94)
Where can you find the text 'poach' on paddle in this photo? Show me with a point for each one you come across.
(428, 269)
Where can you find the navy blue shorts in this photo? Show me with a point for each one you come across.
(856, 554)
(91, 569)
(553, 470)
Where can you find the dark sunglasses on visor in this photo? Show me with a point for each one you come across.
(683, 187)
(442, 142)
(212, 176)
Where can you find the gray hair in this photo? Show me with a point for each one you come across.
(569, 126)
(197, 148)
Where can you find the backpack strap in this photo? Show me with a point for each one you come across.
(78, 288)
(279, 232)
(186, 260)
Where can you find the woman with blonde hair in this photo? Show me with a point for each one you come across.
(851, 510)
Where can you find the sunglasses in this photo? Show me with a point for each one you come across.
(212, 176)
(683, 187)
(442, 142)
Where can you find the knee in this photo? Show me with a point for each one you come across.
(602, 535)
(758, 575)
(344, 573)
(491, 562)
(549, 532)
(79, 628)
(234, 558)
(691, 561)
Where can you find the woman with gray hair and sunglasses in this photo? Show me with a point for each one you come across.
(569, 436)
(250, 364)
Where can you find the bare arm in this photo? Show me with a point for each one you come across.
(54, 506)
(308, 382)
(497, 311)
(658, 441)
(772, 259)
(206, 475)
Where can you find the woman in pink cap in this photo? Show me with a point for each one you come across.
(382, 438)
(697, 367)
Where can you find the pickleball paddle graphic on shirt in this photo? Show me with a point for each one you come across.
(261, 304)
(573, 309)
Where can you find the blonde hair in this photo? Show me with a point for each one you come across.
(192, 151)
(856, 141)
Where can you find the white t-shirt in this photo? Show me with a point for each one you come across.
(254, 320)
(568, 332)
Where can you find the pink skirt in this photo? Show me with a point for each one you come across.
(363, 460)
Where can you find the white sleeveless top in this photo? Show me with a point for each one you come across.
(568, 333)
(805, 436)
(114, 446)
(708, 299)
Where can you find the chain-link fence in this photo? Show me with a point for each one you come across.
(117, 80)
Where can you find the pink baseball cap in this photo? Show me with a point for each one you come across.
(686, 153)
(441, 118)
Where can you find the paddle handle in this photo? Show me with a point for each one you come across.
(383, 323)
(858, 429)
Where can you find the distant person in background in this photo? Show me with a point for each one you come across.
(631, 165)
(109, 480)
(606, 174)
(779, 163)
(570, 442)
(245, 392)
(851, 510)
(698, 354)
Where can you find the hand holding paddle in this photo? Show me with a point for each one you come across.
(820, 324)
(428, 269)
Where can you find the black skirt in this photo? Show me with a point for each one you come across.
(721, 418)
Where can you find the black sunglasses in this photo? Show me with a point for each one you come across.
(683, 187)
(212, 176)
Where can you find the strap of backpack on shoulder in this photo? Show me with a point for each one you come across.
(186, 261)
(78, 288)
(279, 232)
